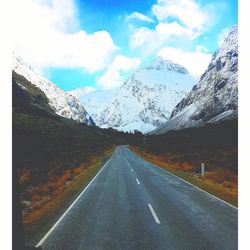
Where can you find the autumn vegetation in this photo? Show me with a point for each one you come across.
(38, 200)
(182, 152)
(54, 158)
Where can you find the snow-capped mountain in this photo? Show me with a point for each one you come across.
(215, 97)
(146, 99)
(62, 103)
(79, 92)
(94, 101)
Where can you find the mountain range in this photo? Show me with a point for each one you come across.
(144, 101)
(156, 98)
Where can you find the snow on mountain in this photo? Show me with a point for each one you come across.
(165, 72)
(79, 92)
(64, 104)
(146, 99)
(215, 97)
(94, 101)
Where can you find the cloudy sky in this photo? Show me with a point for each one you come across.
(98, 43)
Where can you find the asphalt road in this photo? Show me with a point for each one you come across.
(132, 204)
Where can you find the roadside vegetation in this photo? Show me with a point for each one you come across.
(54, 158)
(182, 152)
(35, 199)
(50, 199)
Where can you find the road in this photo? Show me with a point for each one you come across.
(131, 204)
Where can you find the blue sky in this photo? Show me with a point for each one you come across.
(98, 43)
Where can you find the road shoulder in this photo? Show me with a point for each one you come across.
(211, 188)
(53, 210)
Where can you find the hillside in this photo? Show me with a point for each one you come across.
(53, 157)
(61, 102)
(40, 136)
(215, 97)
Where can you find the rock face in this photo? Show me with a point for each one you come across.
(144, 101)
(62, 103)
(215, 97)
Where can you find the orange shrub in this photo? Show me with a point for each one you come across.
(78, 170)
(228, 184)
(235, 179)
(43, 189)
(223, 175)
(185, 166)
(24, 176)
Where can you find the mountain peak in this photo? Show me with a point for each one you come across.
(78, 92)
(230, 43)
(161, 59)
(215, 97)
(160, 63)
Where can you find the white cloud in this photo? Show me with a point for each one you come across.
(188, 22)
(140, 36)
(46, 35)
(186, 11)
(113, 76)
(157, 37)
(140, 16)
(167, 29)
(195, 62)
(224, 33)
(201, 48)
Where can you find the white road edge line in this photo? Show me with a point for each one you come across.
(195, 186)
(217, 198)
(65, 213)
(187, 182)
(137, 181)
(132, 169)
(154, 214)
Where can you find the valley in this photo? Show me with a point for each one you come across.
(110, 161)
